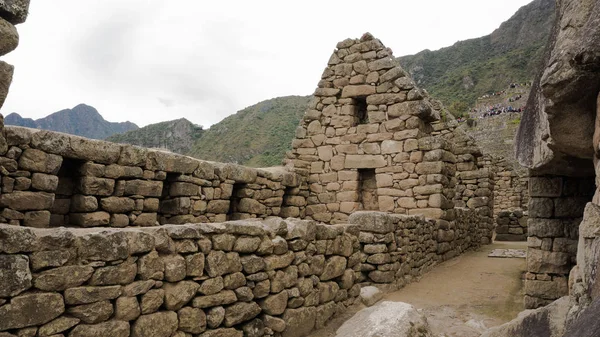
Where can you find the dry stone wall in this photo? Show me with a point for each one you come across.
(55, 179)
(555, 213)
(268, 277)
(511, 226)
(370, 141)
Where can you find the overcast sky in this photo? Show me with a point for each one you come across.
(148, 61)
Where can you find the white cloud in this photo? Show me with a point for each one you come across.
(151, 60)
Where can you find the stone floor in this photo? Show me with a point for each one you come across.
(463, 296)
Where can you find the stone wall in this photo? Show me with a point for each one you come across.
(54, 179)
(372, 140)
(511, 191)
(555, 212)
(269, 277)
(511, 226)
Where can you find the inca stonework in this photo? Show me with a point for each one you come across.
(109, 239)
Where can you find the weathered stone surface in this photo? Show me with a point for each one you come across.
(555, 134)
(44, 182)
(364, 161)
(175, 267)
(370, 295)
(152, 300)
(14, 11)
(334, 267)
(39, 161)
(117, 204)
(123, 274)
(58, 325)
(547, 321)
(110, 328)
(103, 246)
(31, 309)
(127, 309)
(586, 324)
(240, 312)
(92, 313)
(160, 324)
(95, 186)
(372, 222)
(27, 201)
(358, 91)
(179, 294)
(191, 320)
(300, 322)
(222, 298)
(143, 187)
(62, 278)
(15, 276)
(275, 304)
(393, 319)
(223, 332)
(85, 295)
(215, 316)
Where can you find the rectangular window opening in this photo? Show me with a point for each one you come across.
(68, 180)
(361, 116)
(367, 190)
(234, 201)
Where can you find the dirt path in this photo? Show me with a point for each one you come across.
(463, 296)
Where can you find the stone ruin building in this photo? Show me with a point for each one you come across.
(101, 239)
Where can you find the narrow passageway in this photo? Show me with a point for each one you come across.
(463, 296)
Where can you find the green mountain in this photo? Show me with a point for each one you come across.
(83, 120)
(176, 136)
(256, 136)
(458, 74)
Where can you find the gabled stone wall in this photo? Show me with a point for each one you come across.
(365, 143)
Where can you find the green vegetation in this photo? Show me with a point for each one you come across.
(256, 136)
(459, 74)
(176, 136)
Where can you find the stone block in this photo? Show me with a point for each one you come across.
(545, 228)
(95, 186)
(38, 219)
(357, 91)
(94, 219)
(27, 201)
(30, 310)
(549, 290)
(15, 276)
(364, 161)
(545, 186)
(117, 204)
(14, 11)
(145, 188)
(6, 74)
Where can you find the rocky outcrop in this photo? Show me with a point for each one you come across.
(12, 12)
(386, 319)
(556, 131)
(549, 321)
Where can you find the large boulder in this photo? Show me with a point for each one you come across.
(555, 135)
(548, 321)
(386, 319)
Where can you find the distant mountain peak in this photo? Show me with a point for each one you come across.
(82, 120)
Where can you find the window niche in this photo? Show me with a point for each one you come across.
(68, 180)
(367, 190)
(237, 194)
(360, 111)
